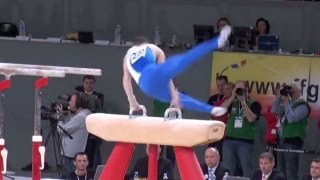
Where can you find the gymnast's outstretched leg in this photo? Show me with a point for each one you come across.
(177, 64)
(155, 78)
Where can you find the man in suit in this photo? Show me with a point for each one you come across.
(213, 165)
(266, 171)
(165, 166)
(314, 170)
(96, 101)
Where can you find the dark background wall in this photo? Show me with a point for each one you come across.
(295, 21)
(19, 99)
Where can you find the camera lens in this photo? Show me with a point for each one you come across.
(239, 92)
(286, 91)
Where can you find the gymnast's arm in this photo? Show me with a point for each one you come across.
(161, 57)
(175, 101)
(127, 86)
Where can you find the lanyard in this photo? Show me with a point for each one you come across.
(240, 108)
(85, 177)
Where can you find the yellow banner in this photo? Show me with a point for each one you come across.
(313, 88)
(264, 72)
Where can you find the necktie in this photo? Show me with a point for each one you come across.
(264, 177)
(211, 175)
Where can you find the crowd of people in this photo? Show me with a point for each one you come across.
(286, 127)
(144, 63)
(232, 105)
(74, 135)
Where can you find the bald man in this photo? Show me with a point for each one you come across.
(213, 164)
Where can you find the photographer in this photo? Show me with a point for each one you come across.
(75, 126)
(292, 113)
(240, 129)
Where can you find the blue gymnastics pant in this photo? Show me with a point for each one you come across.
(155, 78)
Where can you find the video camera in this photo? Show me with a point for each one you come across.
(49, 112)
(286, 90)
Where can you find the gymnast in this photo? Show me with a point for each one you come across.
(147, 65)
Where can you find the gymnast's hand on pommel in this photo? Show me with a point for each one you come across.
(133, 103)
(135, 106)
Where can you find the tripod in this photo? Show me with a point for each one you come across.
(57, 145)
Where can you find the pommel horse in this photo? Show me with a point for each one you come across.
(128, 130)
(10, 69)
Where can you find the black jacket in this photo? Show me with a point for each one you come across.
(275, 175)
(141, 166)
(307, 177)
(220, 171)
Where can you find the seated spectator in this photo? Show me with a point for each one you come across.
(314, 170)
(262, 27)
(213, 167)
(141, 167)
(223, 21)
(81, 163)
(266, 171)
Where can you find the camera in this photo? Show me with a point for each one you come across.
(240, 91)
(286, 90)
(49, 112)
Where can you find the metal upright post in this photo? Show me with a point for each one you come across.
(4, 84)
(38, 150)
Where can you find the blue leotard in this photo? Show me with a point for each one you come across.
(153, 79)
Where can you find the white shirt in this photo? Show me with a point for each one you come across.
(266, 175)
(88, 92)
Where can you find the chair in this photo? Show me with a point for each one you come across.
(202, 32)
(8, 29)
(243, 37)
